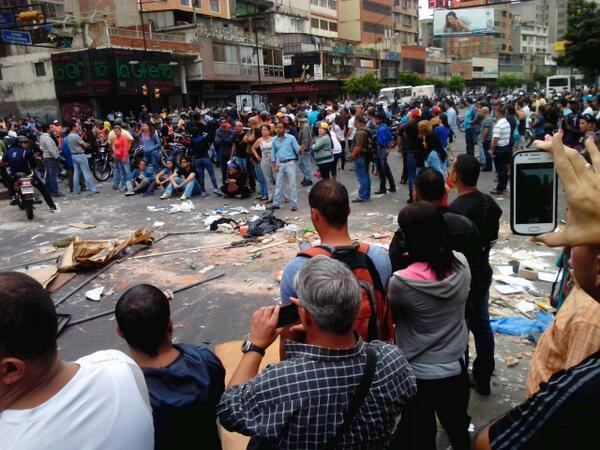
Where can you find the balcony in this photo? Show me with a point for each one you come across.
(133, 38)
(230, 33)
(243, 70)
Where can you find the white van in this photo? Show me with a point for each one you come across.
(427, 90)
(557, 84)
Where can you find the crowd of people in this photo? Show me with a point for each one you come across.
(379, 346)
(260, 152)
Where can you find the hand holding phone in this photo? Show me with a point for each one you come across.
(288, 315)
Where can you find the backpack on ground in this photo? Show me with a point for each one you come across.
(374, 321)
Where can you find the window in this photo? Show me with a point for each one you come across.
(323, 3)
(40, 69)
(186, 3)
(314, 2)
(214, 6)
(376, 28)
(376, 8)
(324, 25)
(333, 26)
(225, 53)
(333, 4)
(314, 23)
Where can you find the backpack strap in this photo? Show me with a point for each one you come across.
(358, 399)
(315, 251)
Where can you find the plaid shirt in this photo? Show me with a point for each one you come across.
(300, 402)
(573, 336)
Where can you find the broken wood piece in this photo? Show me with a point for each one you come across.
(83, 226)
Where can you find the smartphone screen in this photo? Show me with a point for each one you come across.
(534, 193)
(288, 315)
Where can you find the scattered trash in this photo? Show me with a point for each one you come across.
(43, 274)
(258, 207)
(186, 206)
(225, 228)
(521, 326)
(192, 265)
(309, 229)
(206, 269)
(243, 230)
(293, 230)
(35, 236)
(94, 294)
(267, 223)
(83, 226)
(525, 306)
(471, 428)
(547, 276)
(372, 214)
(157, 224)
(61, 243)
(529, 273)
(505, 270)
(505, 289)
(155, 208)
(93, 253)
(380, 236)
(231, 224)
(47, 249)
(278, 275)
(255, 256)
(510, 361)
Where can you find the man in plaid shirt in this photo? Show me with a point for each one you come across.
(301, 402)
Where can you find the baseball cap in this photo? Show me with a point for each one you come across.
(416, 112)
(324, 125)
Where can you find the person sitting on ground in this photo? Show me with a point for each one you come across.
(185, 382)
(564, 412)
(142, 178)
(162, 178)
(184, 178)
(304, 402)
(99, 401)
(235, 184)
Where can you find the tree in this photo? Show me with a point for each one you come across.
(583, 37)
(456, 83)
(508, 80)
(366, 84)
(409, 79)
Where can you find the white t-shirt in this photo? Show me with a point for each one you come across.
(502, 132)
(351, 128)
(104, 406)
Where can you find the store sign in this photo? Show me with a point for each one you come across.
(367, 63)
(111, 72)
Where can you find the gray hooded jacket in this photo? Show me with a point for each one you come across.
(430, 315)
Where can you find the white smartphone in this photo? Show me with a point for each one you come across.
(533, 199)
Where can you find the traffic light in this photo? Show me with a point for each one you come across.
(156, 93)
(144, 90)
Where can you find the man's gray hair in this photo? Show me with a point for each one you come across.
(330, 292)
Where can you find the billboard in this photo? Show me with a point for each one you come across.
(463, 22)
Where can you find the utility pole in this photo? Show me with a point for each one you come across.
(144, 59)
(257, 53)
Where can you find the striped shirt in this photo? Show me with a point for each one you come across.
(48, 146)
(300, 402)
(563, 414)
(502, 133)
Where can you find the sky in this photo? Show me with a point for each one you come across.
(424, 11)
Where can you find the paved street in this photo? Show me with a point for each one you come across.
(218, 311)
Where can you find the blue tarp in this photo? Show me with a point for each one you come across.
(521, 326)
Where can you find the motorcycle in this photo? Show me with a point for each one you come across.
(102, 162)
(24, 195)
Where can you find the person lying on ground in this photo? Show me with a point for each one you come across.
(185, 382)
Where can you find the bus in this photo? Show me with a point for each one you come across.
(557, 84)
(405, 94)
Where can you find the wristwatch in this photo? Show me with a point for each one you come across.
(248, 346)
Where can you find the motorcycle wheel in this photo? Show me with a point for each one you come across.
(460, 124)
(29, 210)
(101, 170)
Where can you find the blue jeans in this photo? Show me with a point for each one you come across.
(262, 182)
(153, 158)
(364, 179)
(51, 176)
(501, 161)
(487, 155)
(286, 170)
(478, 321)
(188, 190)
(122, 173)
(200, 164)
(411, 166)
(470, 138)
(81, 166)
(385, 173)
(304, 164)
(482, 159)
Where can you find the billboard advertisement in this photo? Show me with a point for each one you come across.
(463, 22)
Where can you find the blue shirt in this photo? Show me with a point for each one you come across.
(285, 148)
(434, 162)
(148, 173)
(66, 153)
(378, 255)
(470, 115)
(451, 115)
(150, 143)
(442, 133)
(312, 117)
(384, 136)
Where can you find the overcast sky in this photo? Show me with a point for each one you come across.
(424, 11)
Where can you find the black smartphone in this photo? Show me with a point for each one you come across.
(288, 315)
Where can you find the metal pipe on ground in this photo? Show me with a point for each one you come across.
(31, 263)
(112, 311)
